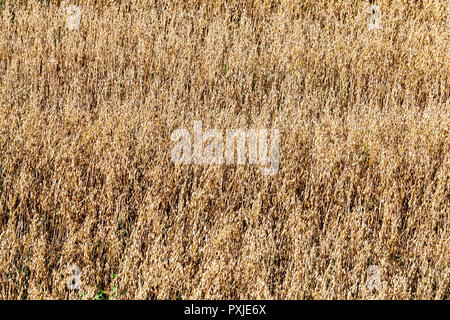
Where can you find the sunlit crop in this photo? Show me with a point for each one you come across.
(87, 109)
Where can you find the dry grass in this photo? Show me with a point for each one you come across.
(86, 177)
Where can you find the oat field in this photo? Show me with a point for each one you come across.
(88, 191)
